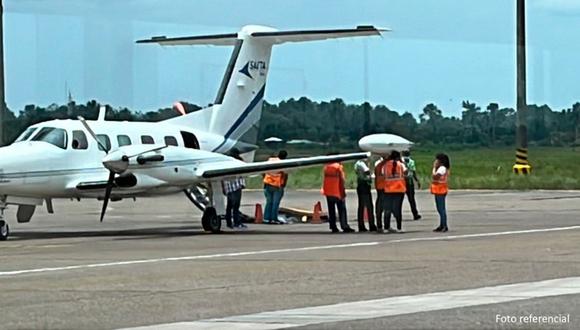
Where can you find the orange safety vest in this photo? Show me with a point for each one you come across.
(379, 176)
(440, 186)
(273, 179)
(394, 183)
(333, 184)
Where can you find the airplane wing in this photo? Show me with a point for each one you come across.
(223, 170)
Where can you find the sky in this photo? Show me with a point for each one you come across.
(441, 52)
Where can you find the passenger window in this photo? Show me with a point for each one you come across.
(104, 139)
(79, 140)
(190, 140)
(146, 139)
(170, 141)
(54, 136)
(123, 140)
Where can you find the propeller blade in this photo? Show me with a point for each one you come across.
(88, 128)
(110, 184)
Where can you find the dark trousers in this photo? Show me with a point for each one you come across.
(441, 209)
(392, 205)
(379, 204)
(411, 198)
(333, 204)
(234, 200)
(365, 201)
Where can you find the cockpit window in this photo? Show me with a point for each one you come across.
(104, 139)
(26, 134)
(54, 136)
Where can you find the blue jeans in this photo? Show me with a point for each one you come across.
(273, 198)
(440, 203)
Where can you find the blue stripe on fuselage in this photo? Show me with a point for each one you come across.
(242, 117)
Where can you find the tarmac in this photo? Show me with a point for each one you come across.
(508, 256)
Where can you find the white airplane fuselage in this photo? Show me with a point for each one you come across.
(40, 169)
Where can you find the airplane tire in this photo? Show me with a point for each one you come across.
(4, 230)
(210, 220)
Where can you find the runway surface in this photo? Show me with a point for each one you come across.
(510, 261)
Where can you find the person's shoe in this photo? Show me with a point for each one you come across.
(335, 230)
(362, 230)
(438, 229)
(373, 229)
(400, 231)
(230, 226)
(445, 229)
(392, 230)
(348, 230)
(265, 221)
(380, 230)
(417, 217)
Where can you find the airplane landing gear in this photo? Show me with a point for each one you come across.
(211, 221)
(4, 229)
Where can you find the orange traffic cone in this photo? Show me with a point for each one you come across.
(316, 214)
(258, 215)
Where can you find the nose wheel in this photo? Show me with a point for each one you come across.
(4, 230)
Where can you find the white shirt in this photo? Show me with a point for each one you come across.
(442, 170)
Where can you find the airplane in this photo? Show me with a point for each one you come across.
(112, 160)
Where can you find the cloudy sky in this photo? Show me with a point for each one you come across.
(442, 51)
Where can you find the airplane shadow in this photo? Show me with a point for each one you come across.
(170, 232)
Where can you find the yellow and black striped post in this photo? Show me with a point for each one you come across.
(522, 165)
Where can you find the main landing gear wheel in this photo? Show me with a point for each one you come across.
(4, 230)
(210, 220)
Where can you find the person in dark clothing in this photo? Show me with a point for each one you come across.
(410, 179)
(365, 198)
(232, 188)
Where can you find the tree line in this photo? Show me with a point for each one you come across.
(340, 123)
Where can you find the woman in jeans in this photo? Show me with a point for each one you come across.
(440, 188)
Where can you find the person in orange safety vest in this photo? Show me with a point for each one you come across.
(274, 183)
(334, 190)
(440, 188)
(395, 188)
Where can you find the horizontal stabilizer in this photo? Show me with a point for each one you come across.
(215, 39)
(267, 35)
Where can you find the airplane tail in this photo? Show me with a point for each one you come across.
(237, 109)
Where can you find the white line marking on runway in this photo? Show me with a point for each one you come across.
(249, 253)
(187, 258)
(502, 233)
(376, 308)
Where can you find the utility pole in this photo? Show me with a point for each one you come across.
(522, 165)
(2, 94)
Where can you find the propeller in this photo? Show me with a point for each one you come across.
(111, 180)
(117, 162)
